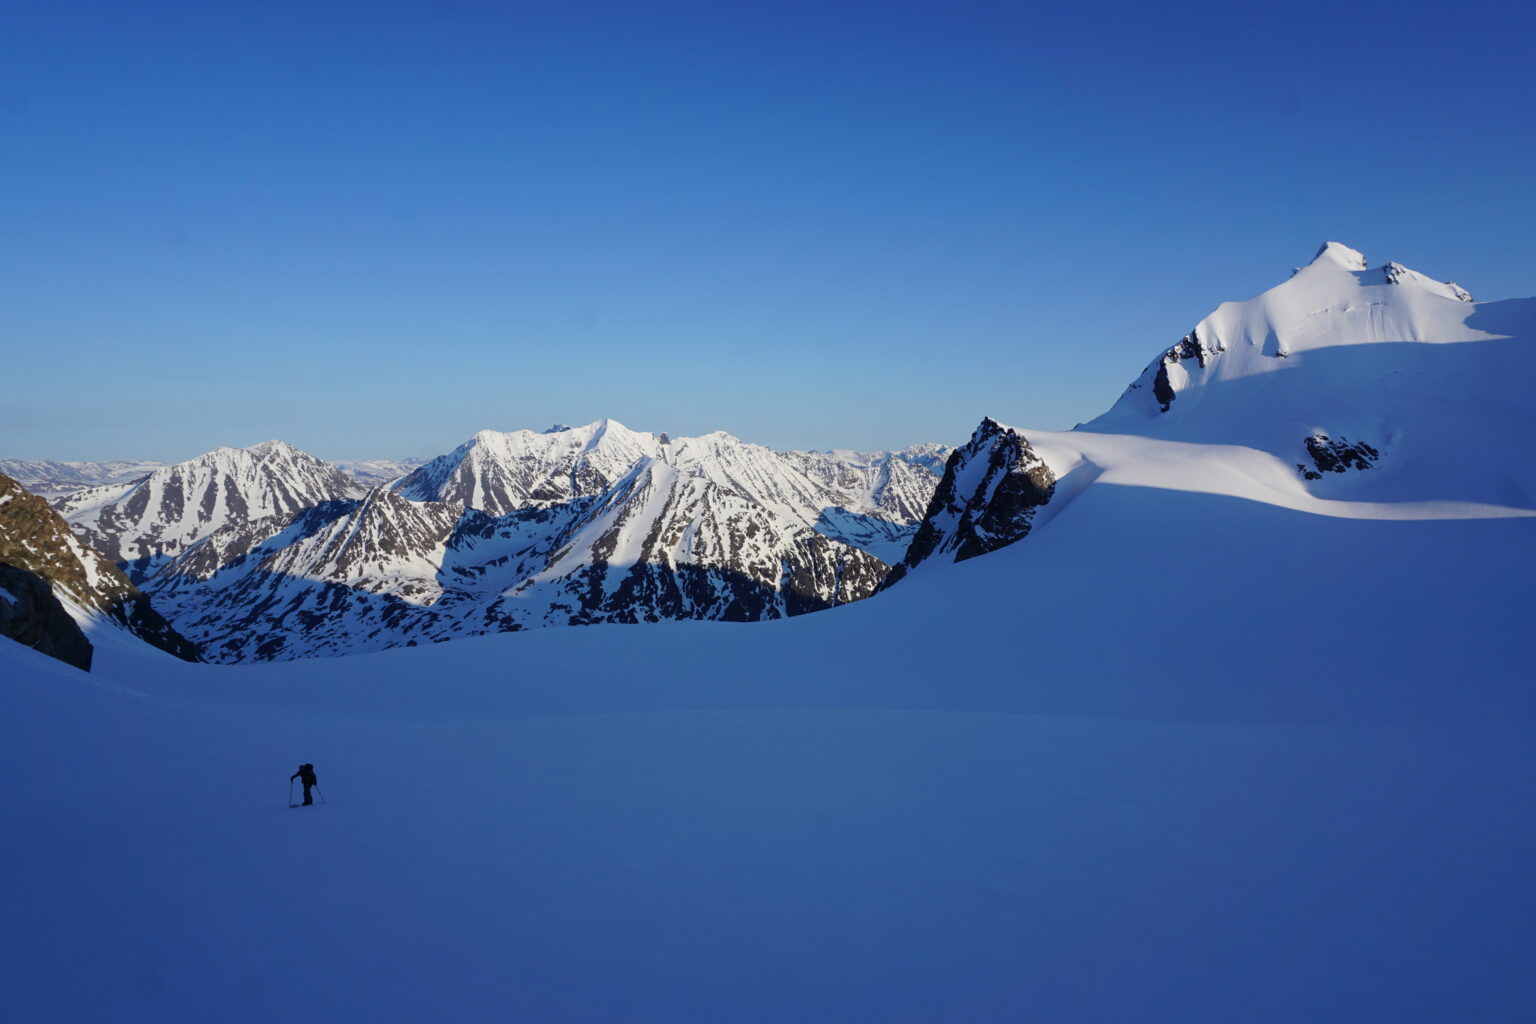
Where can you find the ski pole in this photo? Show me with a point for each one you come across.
(290, 792)
(320, 794)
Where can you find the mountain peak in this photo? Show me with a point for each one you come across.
(272, 447)
(1340, 255)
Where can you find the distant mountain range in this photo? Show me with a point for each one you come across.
(1344, 381)
(267, 551)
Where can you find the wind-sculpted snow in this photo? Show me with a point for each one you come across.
(143, 525)
(344, 577)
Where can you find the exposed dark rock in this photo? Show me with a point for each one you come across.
(35, 539)
(1336, 456)
(1189, 347)
(31, 615)
(987, 499)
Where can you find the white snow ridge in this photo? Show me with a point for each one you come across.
(1217, 709)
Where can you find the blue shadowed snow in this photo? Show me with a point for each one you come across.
(1194, 759)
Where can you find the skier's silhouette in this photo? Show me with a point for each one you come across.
(306, 775)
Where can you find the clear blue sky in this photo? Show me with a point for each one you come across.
(373, 229)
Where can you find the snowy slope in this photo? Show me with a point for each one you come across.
(143, 525)
(1237, 757)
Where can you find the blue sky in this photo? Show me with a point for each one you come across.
(372, 230)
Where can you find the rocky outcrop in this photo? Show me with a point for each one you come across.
(1336, 456)
(1189, 347)
(992, 488)
(35, 540)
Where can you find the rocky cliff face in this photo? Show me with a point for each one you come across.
(991, 490)
(35, 541)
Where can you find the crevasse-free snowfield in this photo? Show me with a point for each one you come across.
(1217, 741)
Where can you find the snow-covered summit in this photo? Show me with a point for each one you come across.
(1347, 365)
(147, 522)
(499, 472)
(1340, 255)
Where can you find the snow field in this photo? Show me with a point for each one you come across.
(1198, 758)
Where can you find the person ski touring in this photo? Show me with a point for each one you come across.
(306, 775)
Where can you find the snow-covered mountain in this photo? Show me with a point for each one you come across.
(1381, 385)
(344, 577)
(871, 501)
(498, 472)
(145, 523)
(51, 585)
(877, 498)
(1341, 382)
(1355, 376)
(269, 552)
(50, 479)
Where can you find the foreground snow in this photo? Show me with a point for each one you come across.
(1197, 758)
